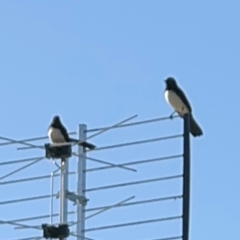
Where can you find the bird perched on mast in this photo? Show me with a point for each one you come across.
(57, 133)
(177, 99)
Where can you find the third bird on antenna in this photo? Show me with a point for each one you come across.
(178, 100)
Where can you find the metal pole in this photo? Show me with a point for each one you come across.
(81, 183)
(51, 204)
(186, 177)
(63, 190)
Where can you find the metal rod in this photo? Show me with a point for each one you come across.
(111, 127)
(97, 208)
(138, 142)
(63, 190)
(169, 238)
(20, 142)
(27, 199)
(31, 146)
(21, 168)
(55, 223)
(102, 131)
(135, 162)
(38, 237)
(55, 163)
(133, 223)
(32, 179)
(31, 139)
(111, 164)
(18, 161)
(19, 224)
(186, 177)
(106, 209)
(51, 202)
(109, 207)
(30, 238)
(81, 183)
(39, 217)
(132, 124)
(132, 183)
(136, 203)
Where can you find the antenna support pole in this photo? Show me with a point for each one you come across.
(81, 182)
(186, 177)
(63, 191)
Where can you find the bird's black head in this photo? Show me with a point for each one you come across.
(170, 83)
(56, 120)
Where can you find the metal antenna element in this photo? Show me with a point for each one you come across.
(94, 135)
(63, 191)
(111, 164)
(90, 188)
(113, 126)
(186, 180)
(81, 183)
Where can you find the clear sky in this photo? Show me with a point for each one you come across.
(99, 62)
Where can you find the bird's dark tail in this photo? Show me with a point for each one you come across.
(195, 129)
(73, 140)
(83, 144)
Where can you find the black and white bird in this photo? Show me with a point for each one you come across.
(57, 133)
(178, 100)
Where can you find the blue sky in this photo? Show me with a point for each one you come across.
(98, 62)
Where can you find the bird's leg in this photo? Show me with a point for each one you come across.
(171, 116)
(182, 110)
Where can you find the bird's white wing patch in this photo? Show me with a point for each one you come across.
(178, 105)
(55, 135)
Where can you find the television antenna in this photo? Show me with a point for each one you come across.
(75, 208)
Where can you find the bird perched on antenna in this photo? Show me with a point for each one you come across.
(177, 99)
(57, 133)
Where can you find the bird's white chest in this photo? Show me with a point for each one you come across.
(178, 105)
(55, 135)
